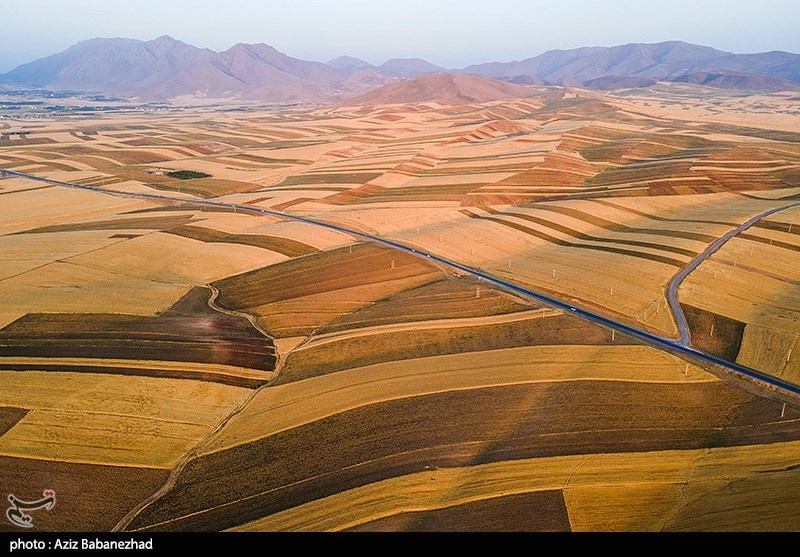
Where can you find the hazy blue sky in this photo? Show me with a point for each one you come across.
(451, 33)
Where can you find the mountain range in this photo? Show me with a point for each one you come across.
(166, 68)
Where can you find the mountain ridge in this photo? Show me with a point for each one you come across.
(166, 68)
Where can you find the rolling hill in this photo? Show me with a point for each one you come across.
(444, 89)
(409, 67)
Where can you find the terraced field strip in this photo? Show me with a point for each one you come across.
(215, 373)
(111, 419)
(441, 299)
(288, 406)
(458, 428)
(363, 350)
(654, 340)
(698, 472)
(284, 246)
(448, 324)
(563, 225)
(549, 237)
(215, 344)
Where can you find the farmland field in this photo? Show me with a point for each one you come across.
(191, 362)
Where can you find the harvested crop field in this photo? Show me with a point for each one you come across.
(425, 339)
(296, 297)
(285, 246)
(144, 421)
(538, 511)
(458, 428)
(442, 299)
(9, 417)
(189, 331)
(310, 379)
(112, 491)
(607, 492)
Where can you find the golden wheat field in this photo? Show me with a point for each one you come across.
(192, 363)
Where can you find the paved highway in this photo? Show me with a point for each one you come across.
(674, 346)
(672, 288)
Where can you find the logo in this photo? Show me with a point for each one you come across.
(17, 515)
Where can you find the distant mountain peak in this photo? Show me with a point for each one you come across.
(350, 64)
(166, 67)
(666, 59)
(409, 67)
(741, 81)
(166, 39)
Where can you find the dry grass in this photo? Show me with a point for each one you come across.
(298, 296)
(31, 209)
(459, 428)
(138, 223)
(390, 369)
(291, 405)
(167, 258)
(205, 187)
(538, 511)
(112, 490)
(371, 347)
(285, 246)
(63, 287)
(620, 492)
(190, 331)
(443, 299)
(108, 419)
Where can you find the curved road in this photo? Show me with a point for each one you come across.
(673, 346)
(672, 288)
